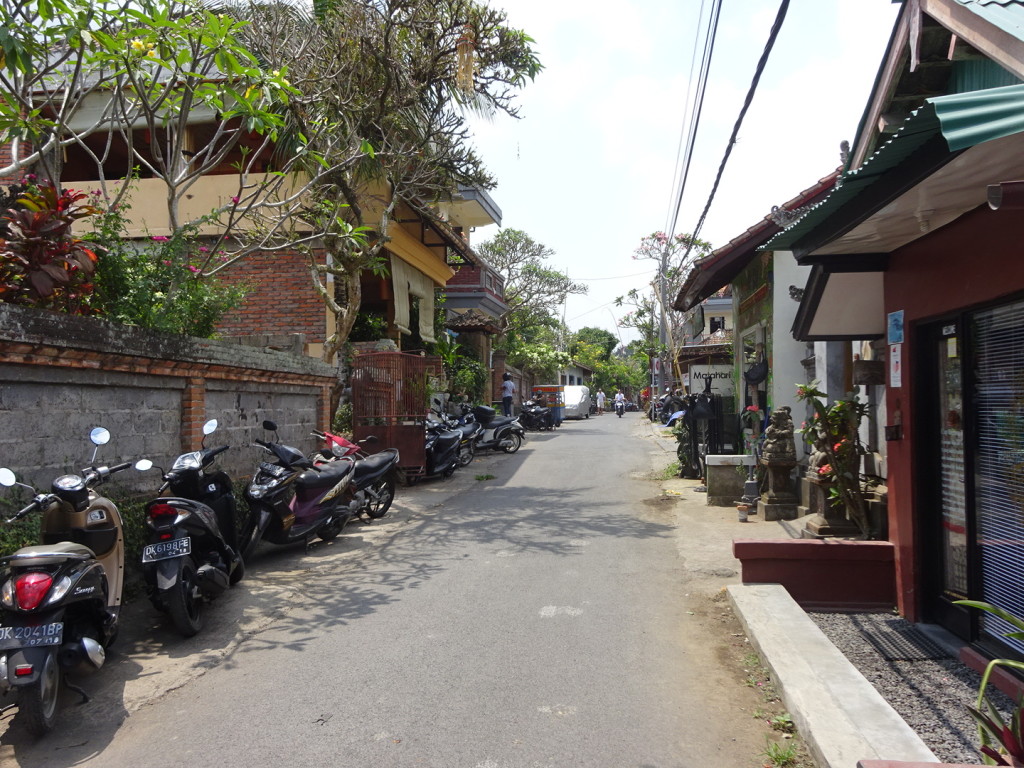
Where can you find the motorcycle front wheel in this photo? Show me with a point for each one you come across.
(37, 703)
(183, 600)
(384, 491)
(514, 443)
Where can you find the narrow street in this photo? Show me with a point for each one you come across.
(539, 618)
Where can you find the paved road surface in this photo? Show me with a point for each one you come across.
(539, 618)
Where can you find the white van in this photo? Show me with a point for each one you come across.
(577, 402)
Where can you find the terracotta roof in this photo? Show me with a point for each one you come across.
(472, 320)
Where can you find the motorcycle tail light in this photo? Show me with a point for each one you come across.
(23, 670)
(30, 589)
(162, 514)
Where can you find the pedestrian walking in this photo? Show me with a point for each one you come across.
(508, 390)
(600, 401)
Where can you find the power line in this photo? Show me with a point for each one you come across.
(696, 108)
(779, 18)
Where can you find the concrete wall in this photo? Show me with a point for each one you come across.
(60, 376)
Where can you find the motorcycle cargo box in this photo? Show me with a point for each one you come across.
(483, 413)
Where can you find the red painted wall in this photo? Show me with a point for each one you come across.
(974, 260)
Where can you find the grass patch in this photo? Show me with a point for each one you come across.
(485, 477)
(780, 754)
(672, 470)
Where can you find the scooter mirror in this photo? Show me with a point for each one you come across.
(269, 426)
(371, 439)
(99, 436)
(7, 477)
(210, 427)
(143, 464)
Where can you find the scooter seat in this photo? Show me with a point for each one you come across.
(324, 476)
(500, 421)
(376, 463)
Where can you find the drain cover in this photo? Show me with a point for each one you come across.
(896, 640)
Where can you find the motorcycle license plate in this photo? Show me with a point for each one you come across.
(164, 550)
(12, 638)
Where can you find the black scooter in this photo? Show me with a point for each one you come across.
(471, 433)
(372, 488)
(192, 555)
(536, 416)
(290, 500)
(442, 447)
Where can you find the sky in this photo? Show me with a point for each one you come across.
(589, 168)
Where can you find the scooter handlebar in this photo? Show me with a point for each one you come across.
(120, 467)
(37, 503)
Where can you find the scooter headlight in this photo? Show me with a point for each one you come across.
(259, 490)
(188, 461)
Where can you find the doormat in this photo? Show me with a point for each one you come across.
(898, 640)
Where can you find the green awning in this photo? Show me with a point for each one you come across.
(928, 138)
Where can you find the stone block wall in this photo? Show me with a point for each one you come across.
(60, 376)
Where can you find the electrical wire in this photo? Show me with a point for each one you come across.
(684, 135)
(696, 109)
(779, 18)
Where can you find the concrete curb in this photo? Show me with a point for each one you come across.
(840, 716)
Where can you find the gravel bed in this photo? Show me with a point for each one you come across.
(931, 695)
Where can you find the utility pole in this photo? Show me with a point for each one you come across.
(663, 322)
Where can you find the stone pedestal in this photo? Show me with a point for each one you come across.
(778, 502)
(824, 520)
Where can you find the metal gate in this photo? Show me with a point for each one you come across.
(389, 401)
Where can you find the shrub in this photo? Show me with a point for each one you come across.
(159, 283)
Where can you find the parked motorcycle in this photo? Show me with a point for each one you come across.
(192, 555)
(372, 489)
(60, 600)
(503, 433)
(471, 434)
(290, 500)
(536, 416)
(442, 447)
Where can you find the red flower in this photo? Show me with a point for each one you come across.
(825, 469)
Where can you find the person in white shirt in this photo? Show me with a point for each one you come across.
(508, 389)
(600, 402)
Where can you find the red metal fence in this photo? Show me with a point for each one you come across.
(389, 401)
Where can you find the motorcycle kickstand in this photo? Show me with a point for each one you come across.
(72, 687)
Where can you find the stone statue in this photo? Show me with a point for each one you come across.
(778, 437)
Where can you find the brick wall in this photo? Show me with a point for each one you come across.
(61, 376)
(282, 299)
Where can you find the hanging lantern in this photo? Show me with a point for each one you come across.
(464, 60)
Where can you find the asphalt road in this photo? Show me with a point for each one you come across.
(542, 617)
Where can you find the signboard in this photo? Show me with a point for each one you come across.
(722, 382)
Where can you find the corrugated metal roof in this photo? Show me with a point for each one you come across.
(964, 120)
(1007, 15)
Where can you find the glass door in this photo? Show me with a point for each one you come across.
(944, 507)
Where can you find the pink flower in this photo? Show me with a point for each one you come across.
(167, 262)
(203, 249)
(824, 469)
(235, 199)
(193, 269)
(160, 238)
